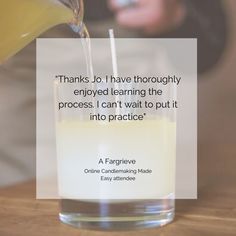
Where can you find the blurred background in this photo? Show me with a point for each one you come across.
(216, 87)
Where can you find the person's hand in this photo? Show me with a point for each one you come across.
(151, 16)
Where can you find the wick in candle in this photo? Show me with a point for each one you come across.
(113, 52)
(114, 64)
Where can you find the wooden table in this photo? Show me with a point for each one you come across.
(214, 213)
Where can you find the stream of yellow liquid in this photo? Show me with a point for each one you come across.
(21, 21)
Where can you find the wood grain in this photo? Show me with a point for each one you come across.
(214, 213)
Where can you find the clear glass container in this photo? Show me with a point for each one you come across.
(80, 143)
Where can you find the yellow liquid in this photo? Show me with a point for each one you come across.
(80, 145)
(21, 21)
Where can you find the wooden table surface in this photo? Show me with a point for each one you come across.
(214, 213)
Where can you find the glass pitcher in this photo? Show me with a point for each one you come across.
(24, 20)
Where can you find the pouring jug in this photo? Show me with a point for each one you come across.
(22, 21)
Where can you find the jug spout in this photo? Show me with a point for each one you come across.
(77, 6)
